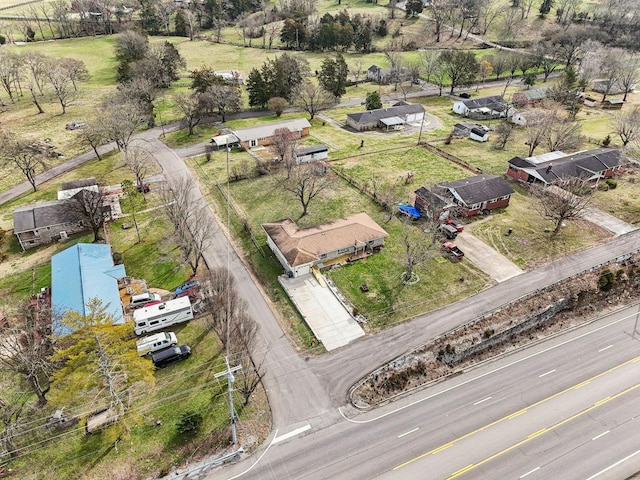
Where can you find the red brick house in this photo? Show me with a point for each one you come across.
(550, 167)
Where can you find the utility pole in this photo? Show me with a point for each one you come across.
(230, 379)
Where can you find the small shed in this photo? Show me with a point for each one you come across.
(312, 153)
(613, 104)
(479, 134)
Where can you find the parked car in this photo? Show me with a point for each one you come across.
(186, 286)
(171, 355)
(142, 299)
(191, 293)
(75, 125)
(455, 224)
(465, 95)
(449, 231)
(157, 342)
(453, 251)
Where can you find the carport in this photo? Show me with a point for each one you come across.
(393, 122)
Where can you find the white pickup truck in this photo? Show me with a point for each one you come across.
(153, 343)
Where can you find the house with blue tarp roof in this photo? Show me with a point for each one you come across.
(80, 273)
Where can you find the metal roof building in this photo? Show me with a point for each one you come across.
(79, 274)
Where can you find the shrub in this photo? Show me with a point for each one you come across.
(606, 280)
(612, 183)
(190, 422)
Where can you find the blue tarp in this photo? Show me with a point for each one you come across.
(409, 210)
(80, 273)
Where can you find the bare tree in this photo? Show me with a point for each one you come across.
(139, 161)
(36, 63)
(417, 248)
(627, 125)
(283, 143)
(12, 410)
(387, 195)
(610, 70)
(75, 70)
(629, 72)
(563, 135)
(306, 181)
(10, 64)
(120, 119)
(243, 347)
(21, 154)
(192, 227)
(26, 347)
(91, 208)
(564, 201)
(503, 133)
(61, 79)
(539, 122)
(194, 107)
(312, 98)
(93, 135)
(222, 302)
(225, 98)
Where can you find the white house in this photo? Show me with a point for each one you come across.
(312, 153)
(483, 107)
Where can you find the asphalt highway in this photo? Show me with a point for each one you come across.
(565, 408)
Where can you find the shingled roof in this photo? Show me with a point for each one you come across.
(268, 129)
(478, 189)
(494, 102)
(44, 214)
(304, 245)
(577, 165)
(382, 113)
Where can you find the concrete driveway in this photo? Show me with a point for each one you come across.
(487, 259)
(330, 321)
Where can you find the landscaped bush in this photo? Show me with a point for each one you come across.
(190, 422)
(606, 280)
(612, 183)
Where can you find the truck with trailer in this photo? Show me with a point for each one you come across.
(162, 315)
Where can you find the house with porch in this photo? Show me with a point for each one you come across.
(494, 106)
(388, 75)
(300, 249)
(589, 165)
(386, 118)
(470, 196)
(260, 135)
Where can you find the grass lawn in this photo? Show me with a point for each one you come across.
(623, 201)
(529, 246)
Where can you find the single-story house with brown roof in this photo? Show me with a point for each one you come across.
(530, 97)
(261, 134)
(299, 249)
(550, 167)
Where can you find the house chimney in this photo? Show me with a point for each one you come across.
(549, 168)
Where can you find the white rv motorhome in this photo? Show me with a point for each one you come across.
(162, 315)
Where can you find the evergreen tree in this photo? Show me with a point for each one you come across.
(333, 75)
(373, 101)
(258, 89)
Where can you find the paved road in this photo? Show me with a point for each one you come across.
(565, 408)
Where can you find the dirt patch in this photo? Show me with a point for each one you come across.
(558, 307)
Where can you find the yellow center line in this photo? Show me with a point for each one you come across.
(515, 414)
(586, 382)
(532, 436)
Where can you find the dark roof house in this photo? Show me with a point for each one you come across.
(483, 107)
(398, 114)
(46, 222)
(479, 193)
(550, 167)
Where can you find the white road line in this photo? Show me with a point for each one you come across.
(292, 433)
(549, 372)
(483, 400)
(530, 472)
(491, 372)
(601, 435)
(605, 348)
(614, 465)
(275, 435)
(407, 433)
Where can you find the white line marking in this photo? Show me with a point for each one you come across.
(407, 433)
(292, 433)
(530, 472)
(549, 372)
(605, 348)
(275, 434)
(483, 400)
(601, 435)
(614, 465)
(491, 372)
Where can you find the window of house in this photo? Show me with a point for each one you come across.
(475, 206)
(253, 143)
(344, 250)
(262, 139)
(322, 256)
